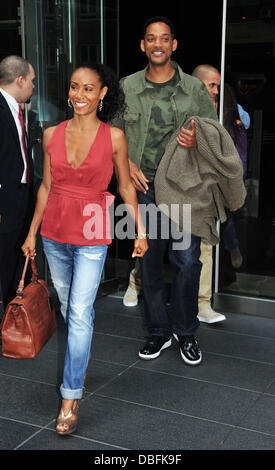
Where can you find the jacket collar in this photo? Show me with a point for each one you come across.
(142, 83)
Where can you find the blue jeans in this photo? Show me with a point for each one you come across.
(185, 287)
(76, 273)
(230, 239)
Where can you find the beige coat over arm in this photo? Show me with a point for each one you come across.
(209, 177)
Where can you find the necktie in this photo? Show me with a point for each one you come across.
(24, 143)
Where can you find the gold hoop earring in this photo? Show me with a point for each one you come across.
(69, 103)
(100, 105)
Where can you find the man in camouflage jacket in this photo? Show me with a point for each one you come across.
(159, 99)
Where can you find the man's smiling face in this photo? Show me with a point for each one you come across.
(158, 43)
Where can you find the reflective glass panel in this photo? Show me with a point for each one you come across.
(247, 250)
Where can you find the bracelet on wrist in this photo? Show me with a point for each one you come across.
(141, 236)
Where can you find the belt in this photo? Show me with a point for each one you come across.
(79, 192)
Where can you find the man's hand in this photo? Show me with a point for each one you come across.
(186, 138)
(138, 179)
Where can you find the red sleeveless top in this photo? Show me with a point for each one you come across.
(77, 210)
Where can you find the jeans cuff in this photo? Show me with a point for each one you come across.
(160, 332)
(69, 394)
(189, 331)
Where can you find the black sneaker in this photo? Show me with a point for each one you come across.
(189, 349)
(154, 346)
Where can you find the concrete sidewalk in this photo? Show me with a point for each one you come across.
(227, 402)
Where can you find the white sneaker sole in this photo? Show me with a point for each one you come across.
(130, 304)
(211, 320)
(190, 363)
(153, 356)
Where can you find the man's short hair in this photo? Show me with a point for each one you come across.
(12, 67)
(202, 70)
(159, 19)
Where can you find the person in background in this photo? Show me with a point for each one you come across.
(211, 77)
(236, 123)
(237, 129)
(79, 157)
(17, 78)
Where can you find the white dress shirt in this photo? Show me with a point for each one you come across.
(13, 105)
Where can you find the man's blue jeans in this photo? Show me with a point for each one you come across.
(76, 273)
(185, 287)
(230, 239)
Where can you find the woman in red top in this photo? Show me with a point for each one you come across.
(73, 206)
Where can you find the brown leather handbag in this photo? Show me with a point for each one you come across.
(29, 320)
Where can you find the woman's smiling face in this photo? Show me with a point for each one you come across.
(85, 91)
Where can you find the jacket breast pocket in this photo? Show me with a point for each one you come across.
(131, 118)
(133, 127)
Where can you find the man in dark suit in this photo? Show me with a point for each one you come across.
(16, 171)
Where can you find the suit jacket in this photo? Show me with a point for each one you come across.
(13, 209)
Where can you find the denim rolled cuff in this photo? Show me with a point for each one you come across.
(166, 332)
(69, 394)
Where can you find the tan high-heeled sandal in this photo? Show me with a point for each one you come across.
(68, 422)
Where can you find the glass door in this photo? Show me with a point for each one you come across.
(245, 279)
(10, 29)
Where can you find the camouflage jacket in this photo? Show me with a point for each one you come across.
(190, 98)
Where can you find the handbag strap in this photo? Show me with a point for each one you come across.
(34, 271)
(20, 290)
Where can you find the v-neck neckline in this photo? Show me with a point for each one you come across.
(66, 156)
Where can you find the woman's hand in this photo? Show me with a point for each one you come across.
(29, 246)
(140, 247)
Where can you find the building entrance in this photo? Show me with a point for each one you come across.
(249, 286)
(54, 35)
